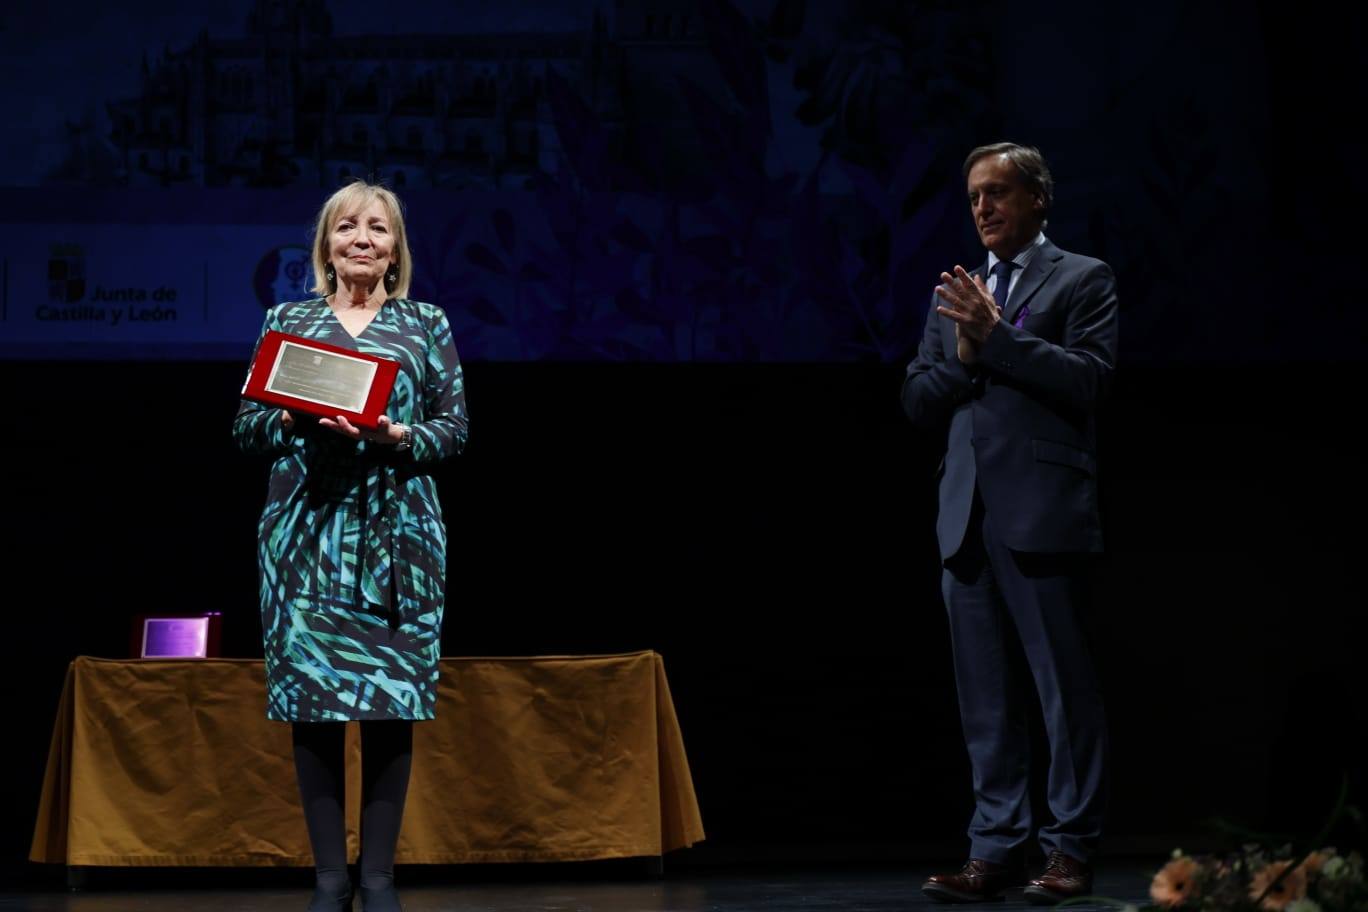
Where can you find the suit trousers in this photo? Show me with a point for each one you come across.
(995, 595)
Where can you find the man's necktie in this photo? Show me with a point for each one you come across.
(1003, 271)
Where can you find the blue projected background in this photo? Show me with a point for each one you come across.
(660, 180)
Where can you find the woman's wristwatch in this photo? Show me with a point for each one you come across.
(406, 440)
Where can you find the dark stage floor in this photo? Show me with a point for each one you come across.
(845, 890)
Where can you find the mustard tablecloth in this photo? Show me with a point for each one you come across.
(172, 762)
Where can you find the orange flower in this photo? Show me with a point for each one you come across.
(1176, 883)
(1292, 887)
(1316, 860)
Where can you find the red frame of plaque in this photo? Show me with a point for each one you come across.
(368, 418)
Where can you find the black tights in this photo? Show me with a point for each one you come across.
(386, 757)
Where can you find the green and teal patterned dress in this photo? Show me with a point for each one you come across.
(352, 546)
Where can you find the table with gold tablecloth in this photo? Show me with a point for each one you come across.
(172, 762)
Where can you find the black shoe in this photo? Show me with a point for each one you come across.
(323, 901)
(380, 899)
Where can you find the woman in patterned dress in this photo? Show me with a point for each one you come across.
(352, 545)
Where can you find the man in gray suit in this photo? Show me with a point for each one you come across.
(1015, 359)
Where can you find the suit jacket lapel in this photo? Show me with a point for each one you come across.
(1042, 264)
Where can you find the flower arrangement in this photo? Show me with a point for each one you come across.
(1255, 879)
(1258, 878)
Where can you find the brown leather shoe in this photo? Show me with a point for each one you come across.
(977, 881)
(1065, 877)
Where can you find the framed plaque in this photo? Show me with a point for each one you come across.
(185, 636)
(322, 380)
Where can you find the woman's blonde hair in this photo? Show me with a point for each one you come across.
(350, 198)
